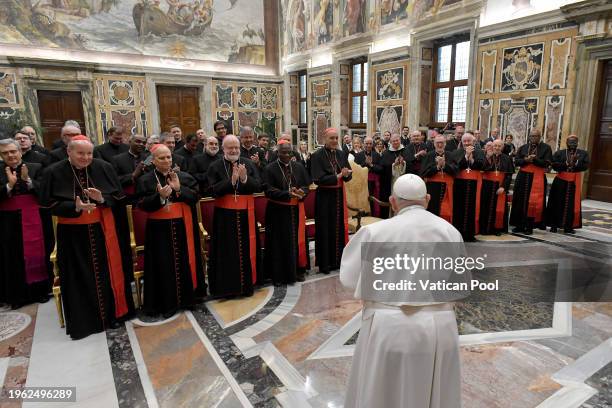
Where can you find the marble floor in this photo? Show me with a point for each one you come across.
(292, 346)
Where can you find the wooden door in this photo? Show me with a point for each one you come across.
(179, 105)
(56, 107)
(600, 178)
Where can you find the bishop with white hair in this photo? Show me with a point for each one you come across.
(82, 192)
(234, 248)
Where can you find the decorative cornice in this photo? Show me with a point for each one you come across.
(586, 9)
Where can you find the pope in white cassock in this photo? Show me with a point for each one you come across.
(407, 354)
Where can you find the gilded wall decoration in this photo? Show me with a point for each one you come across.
(559, 57)
(553, 120)
(527, 83)
(517, 117)
(121, 93)
(9, 88)
(269, 97)
(250, 119)
(390, 84)
(321, 92)
(225, 96)
(321, 120)
(522, 67)
(247, 97)
(241, 104)
(485, 115)
(487, 71)
(389, 119)
(121, 101)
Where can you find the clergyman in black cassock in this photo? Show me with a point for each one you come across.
(417, 149)
(286, 184)
(529, 192)
(94, 259)
(467, 186)
(23, 268)
(173, 268)
(113, 147)
(200, 164)
(564, 208)
(330, 169)
(370, 158)
(249, 150)
(438, 170)
(394, 163)
(130, 165)
(233, 251)
(496, 179)
(189, 150)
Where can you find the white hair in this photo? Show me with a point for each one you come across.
(9, 141)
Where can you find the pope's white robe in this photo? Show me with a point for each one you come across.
(407, 356)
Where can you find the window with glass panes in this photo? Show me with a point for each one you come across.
(303, 111)
(358, 95)
(451, 68)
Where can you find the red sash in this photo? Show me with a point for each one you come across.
(500, 208)
(302, 259)
(536, 196)
(104, 216)
(475, 175)
(32, 235)
(374, 178)
(340, 184)
(175, 211)
(446, 206)
(575, 178)
(243, 202)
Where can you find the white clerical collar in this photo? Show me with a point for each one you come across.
(391, 149)
(409, 208)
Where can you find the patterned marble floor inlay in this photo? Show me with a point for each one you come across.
(231, 311)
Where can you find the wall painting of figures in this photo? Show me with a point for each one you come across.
(212, 30)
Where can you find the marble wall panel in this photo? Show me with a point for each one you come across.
(553, 120)
(487, 71)
(559, 57)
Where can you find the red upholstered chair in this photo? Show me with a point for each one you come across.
(261, 202)
(137, 220)
(309, 209)
(206, 210)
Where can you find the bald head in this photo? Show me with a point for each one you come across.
(162, 158)
(535, 136)
(80, 153)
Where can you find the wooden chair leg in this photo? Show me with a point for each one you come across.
(58, 304)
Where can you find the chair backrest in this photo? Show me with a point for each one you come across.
(357, 195)
(207, 210)
(261, 202)
(309, 202)
(137, 219)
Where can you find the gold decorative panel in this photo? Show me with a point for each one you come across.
(487, 71)
(388, 108)
(121, 101)
(526, 82)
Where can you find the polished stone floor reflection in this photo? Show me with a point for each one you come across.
(292, 346)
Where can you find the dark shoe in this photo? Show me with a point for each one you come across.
(553, 229)
(518, 230)
(570, 231)
(498, 234)
(278, 284)
(300, 278)
(115, 324)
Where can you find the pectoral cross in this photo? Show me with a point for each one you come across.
(468, 170)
